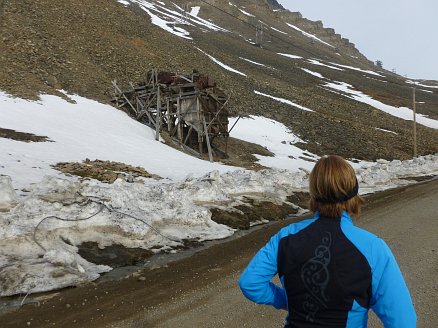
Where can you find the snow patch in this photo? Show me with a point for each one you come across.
(252, 62)
(290, 56)
(422, 85)
(388, 131)
(400, 112)
(168, 19)
(358, 69)
(228, 68)
(278, 139)
(195, 11)
(312, 73)
(311, 36)
(284, 101)
(273, 28)
(315, 62)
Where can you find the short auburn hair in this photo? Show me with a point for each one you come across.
(333, 178)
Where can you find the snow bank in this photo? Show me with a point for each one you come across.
(382, 175)
(38, 250)
(39, 253)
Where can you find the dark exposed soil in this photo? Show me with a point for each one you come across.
(230, 151)
(239, 217)
(300, 199)
(242, 216)
(22, 136)
(105, 171)
(115, 255)
(240, 153)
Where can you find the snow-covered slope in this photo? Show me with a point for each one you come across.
(81, 129)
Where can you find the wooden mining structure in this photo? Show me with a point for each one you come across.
(190, 107)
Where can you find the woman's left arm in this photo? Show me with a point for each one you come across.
(255, 281)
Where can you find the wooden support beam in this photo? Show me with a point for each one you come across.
(169, 121)
(124, 96)
(210, 155)
(198, 112)
(188, 135)
(234, 124)
(217, 114)
(158, 121)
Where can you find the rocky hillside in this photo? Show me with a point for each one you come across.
(81, 46)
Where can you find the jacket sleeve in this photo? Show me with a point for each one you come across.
(390, 300)
(255, 281)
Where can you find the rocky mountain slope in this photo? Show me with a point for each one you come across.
(81, 46)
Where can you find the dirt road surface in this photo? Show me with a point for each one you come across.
(201, 291)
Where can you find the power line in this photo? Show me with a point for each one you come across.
(255, 26)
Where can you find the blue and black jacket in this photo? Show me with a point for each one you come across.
(332, 273)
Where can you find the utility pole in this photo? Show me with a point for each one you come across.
(259, 34)
(415, 123)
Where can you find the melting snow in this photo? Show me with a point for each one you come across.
(228, 68)
(422, 85)
(246, 13)
(252, 62)
(278, 30)
(358, 69)
(167, 19)
(386, 131)
(290, 56)
(313, 73)
(315, 62)
(285, 101)
(278, 139)
(195, 11)
(309, 35)
(400, 112)
(241, 10)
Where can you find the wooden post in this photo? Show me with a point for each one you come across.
(179, 116)
(415, 123)
(198, 112)
(169, 117)
(158, 119)
(210, 155)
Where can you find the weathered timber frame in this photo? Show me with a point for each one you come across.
(190, 107)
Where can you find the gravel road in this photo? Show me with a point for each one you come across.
(201, 291)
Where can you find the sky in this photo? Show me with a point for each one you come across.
(400, 33)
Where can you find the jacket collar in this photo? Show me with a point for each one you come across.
(345, 217)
